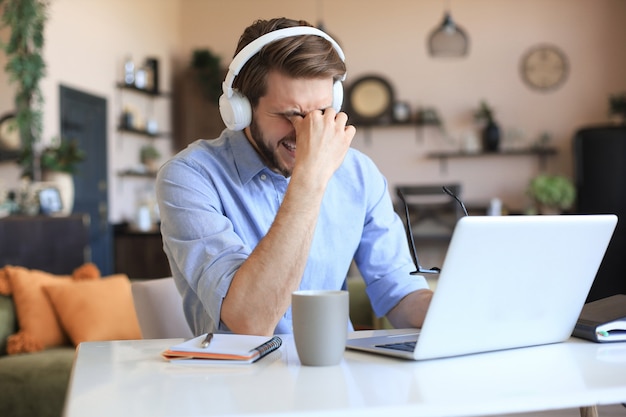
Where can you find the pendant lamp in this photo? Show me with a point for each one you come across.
(320, 15)
(320, 20)
(448, 39)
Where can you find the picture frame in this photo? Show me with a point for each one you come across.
(49, 200)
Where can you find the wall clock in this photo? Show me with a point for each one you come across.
(370, 100)
(544, 67)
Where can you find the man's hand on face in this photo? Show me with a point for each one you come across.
(323, 138)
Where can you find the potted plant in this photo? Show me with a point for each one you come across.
(58, 163)
(25, 64)
(617, 107)
(491, 130)
(552, 193)
(62, 155)
(428, 116)
(209, 73)
(148, 156)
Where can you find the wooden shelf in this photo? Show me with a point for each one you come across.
(542, 153)
(126, 127)
(131, 173)
(412, 123)
(141, 132)
(150, 93)
(511, 152)
(416, 124)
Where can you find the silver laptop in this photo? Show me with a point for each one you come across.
(506, 282)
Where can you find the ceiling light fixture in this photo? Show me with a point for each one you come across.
(320, 20)
(320, 15)
(448, 39)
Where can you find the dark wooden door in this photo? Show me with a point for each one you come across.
(83, 118)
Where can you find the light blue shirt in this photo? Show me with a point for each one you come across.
(217, 200)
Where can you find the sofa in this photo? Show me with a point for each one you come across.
(43, 317)
(31, 384)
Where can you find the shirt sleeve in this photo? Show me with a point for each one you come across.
(383, 256)
(198, 238)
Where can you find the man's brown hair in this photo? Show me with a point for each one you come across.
(305, 56)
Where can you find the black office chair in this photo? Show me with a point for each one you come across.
(430, 213)
(433, 212)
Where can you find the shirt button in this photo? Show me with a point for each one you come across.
(263, 177)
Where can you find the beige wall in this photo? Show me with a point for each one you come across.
(389, 38)
(87, 41)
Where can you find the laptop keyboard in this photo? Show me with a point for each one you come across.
(404, 346)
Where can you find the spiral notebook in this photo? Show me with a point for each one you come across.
(224, 348)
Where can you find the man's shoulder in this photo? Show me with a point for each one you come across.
(357, 160)
(206, 150)
(202, 156)
(359, 172)
(210, 146)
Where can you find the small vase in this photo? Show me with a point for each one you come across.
(65, 184)
(491, 137)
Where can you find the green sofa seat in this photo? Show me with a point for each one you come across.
(31, 384)
(35, 384)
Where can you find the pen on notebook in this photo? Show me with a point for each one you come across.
(207, 340)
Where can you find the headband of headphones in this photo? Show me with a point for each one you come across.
(256, 45)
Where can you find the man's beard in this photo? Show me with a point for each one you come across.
(268, 154)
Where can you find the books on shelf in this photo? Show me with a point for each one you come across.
(603, 320)
(224, 348)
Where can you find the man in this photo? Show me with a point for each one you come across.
(285, 203)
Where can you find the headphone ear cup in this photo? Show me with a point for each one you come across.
(236, 111)
(337, 95)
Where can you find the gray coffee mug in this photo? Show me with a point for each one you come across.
(320, 325)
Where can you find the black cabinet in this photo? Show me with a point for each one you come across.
(56, 245)
(600, 169)
(140, 254)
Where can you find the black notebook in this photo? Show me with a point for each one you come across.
(603, 320)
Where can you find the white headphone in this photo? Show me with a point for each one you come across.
(235, 107)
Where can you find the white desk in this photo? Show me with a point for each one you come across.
(128, 378)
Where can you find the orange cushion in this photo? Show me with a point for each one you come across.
(38, 325)
(96, 310)
(5, 285)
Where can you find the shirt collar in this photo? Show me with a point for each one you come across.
(247, 159)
